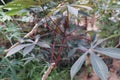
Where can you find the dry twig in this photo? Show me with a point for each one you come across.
(44, 77)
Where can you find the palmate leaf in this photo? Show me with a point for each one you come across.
(16, 49)
(43, 44)
(99, 67)
(71, 52)
(21, 40)
(77, 65)
(83, 13)
(73, 10)
(28, 49)
(76, 11)
(112, 52)
(56, 10)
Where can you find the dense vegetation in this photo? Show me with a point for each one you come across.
(54, 39)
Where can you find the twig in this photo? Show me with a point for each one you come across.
(117, 45)
(32, 31)
(44, 77)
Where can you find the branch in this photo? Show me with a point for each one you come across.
(32, 31)
(45, 76)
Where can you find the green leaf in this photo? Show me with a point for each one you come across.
(9, 67)
(99, 67)
(12, 12)
(24, 3)
(16, 49)
(17, 5)
(77, 65)
(112, 52)
(4, 72)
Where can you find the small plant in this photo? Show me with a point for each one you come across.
(99, 67)
(58, 35)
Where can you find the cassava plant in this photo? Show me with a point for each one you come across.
(58, 35)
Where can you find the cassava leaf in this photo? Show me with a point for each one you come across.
(43, 44)
(21, 40)
(28, 49)
(29, 40)
(112, 52)
(82, 48)
(83, 13)
(56, 10)
(99, 67)
(71, 52)
(16, 49)
(73, 10)
(37, 37)
(77, 65)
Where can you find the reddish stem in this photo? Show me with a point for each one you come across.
(53, 51)
(60, 51)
